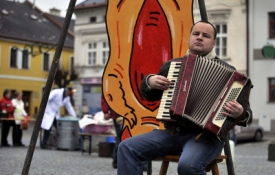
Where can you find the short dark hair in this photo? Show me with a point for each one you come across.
(214, 28)
(6, 91)
(69, 88)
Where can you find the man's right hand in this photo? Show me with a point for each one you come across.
(158, 82)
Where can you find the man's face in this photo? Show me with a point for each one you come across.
(19, 97)
(201, 40)
(8, 95)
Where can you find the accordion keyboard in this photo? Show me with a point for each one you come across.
(167, 96)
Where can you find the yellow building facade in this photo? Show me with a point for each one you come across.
(28, 39)
(32, 80)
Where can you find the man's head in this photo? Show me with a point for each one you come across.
(202, 38)
(69, 91)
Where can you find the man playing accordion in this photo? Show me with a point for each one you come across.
(180, 137)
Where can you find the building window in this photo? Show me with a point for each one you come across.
(25, 59)
(98, 53)
(221, 40)
(13, 58)
(271, 82)
(105, 52)
(93, 19)
(46, 61)
(92, 53)
(272, 25)
(19, 58)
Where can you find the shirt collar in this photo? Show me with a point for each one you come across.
(211, 55)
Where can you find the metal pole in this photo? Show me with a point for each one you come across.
(229, 162)
(47, 90)
(149, 168)
(202, 10)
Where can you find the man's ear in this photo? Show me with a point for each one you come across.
(214, 43)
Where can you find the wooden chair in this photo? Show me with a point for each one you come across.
(213, 166)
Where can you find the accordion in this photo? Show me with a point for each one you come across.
(199, 89)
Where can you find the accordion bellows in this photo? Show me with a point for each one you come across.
(199, 89)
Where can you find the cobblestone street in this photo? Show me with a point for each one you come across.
(249, 159)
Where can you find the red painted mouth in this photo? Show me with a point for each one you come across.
(151, 47)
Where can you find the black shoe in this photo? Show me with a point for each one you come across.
(6, 145)
(114, 164)
(21, 144)
(45, 147)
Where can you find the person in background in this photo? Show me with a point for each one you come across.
(6, 109)
(19, 115)
(57, 99)
(109, 113)
(118, 121)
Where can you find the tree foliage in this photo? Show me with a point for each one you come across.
(63, 77)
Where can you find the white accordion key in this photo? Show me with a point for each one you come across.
(167, 96)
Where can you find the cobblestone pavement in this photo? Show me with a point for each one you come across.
(249, 159)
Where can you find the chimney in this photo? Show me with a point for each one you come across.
(55, 11)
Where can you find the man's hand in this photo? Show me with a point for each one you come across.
(158, 82)
(233, 109)
(106, 116)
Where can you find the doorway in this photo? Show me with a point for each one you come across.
(27, 100)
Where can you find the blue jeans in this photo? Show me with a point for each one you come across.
(195, 155)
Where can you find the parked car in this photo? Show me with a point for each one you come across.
(252, 132)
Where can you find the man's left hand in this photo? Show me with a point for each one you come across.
(233, 109)
(106, 116)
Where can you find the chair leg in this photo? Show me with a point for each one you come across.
(90, 145)
(149, 168)
(214, 168)
(164, 168)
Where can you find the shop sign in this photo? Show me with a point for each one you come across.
(268, 51)
(91, 80)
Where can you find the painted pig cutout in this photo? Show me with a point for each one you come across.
(143, 34)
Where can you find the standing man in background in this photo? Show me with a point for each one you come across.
(57, 99)
(109, 113)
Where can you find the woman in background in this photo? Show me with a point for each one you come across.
(6, 109)
(19, 115)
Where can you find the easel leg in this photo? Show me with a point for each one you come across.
(149, 168)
